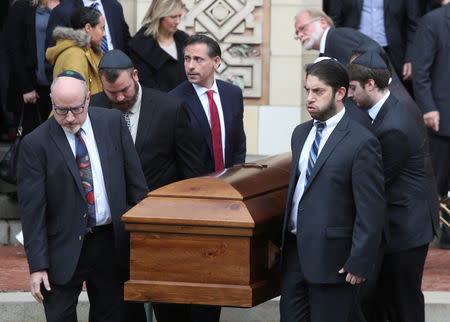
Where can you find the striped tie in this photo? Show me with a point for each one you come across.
(314, 149)
(104, 45)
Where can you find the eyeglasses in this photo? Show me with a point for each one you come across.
(301, 28)
(61, 110)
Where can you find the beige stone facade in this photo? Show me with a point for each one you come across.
(257, 39)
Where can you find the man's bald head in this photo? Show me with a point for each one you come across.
(70, 100)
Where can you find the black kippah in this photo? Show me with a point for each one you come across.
(115, 59)
(370, 60)
(71, 73)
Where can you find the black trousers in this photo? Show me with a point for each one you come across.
(440, 157)
(97, 266)
(305, 302)
(397, 295)
(167, 312)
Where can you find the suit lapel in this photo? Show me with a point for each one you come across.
(297, 151)
(59, 137)
(197, 110)
(338, 134)
(145, 120)
(227, 109)
(382, 113)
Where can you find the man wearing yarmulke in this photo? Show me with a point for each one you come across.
(77, 174)
(397, 291)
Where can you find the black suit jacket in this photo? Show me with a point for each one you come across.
(120, 34)
(164, 139)
(342, 210)
(51, 197)
(431, 65)
(157, 69)
(233, 112)
(400, 22)
(402, 145)
(20, 43)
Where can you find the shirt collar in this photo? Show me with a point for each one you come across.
(137, 105)
(334, 120)
(200, 90)
(374, 110)
(323, 41)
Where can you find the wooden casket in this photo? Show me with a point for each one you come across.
(210, 240)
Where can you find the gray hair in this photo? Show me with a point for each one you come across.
(316, 13)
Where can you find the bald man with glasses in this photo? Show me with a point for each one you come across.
(77, 174)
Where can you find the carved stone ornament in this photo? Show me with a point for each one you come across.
(237, 26)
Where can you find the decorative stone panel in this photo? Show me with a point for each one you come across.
(240, 27)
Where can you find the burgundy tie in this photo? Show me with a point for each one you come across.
(216, 132)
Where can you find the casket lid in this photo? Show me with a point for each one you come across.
(240, 182)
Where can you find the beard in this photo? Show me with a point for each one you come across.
(328, 111)
(73, 129)
(128, 104)
(314, 38)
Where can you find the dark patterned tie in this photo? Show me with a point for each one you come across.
(314, 149)
(126, 117)
(216, 132)
(104, 45)
(84, 166)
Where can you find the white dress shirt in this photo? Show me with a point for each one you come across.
(373, 111)
(323, 41)
(134, 113)
(201, 93)
(102, 210)
(88, 3)
(303, 164)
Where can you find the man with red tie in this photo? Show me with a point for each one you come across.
(216, 112)
(215, 107)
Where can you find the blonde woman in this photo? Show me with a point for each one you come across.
(157, 48)
(25, 37)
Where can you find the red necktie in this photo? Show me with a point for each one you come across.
(216, 132)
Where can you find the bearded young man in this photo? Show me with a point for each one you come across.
(335, 206)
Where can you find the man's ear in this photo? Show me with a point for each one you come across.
(370, 84)
(216, 61)
(340, 93)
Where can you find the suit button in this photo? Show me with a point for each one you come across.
(79, 237)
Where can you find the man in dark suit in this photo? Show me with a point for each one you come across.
(201, 59)
(315, 29)
(431, 62)
(159, 126)
(77, 174)
(391, 23)
(216, 112)
(410, 221)
(159, 123)
(335, 206)
(117, 32)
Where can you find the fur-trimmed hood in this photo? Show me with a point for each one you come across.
(67, 38)
(80, 37)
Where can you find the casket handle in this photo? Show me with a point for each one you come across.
(250, 165)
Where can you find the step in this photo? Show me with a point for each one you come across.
(21, 307)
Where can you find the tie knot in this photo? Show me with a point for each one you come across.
(319, 125)
(78, 133)
(210, 94)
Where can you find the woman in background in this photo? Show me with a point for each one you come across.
(78, 48)
(157, 48)
(29, 87)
